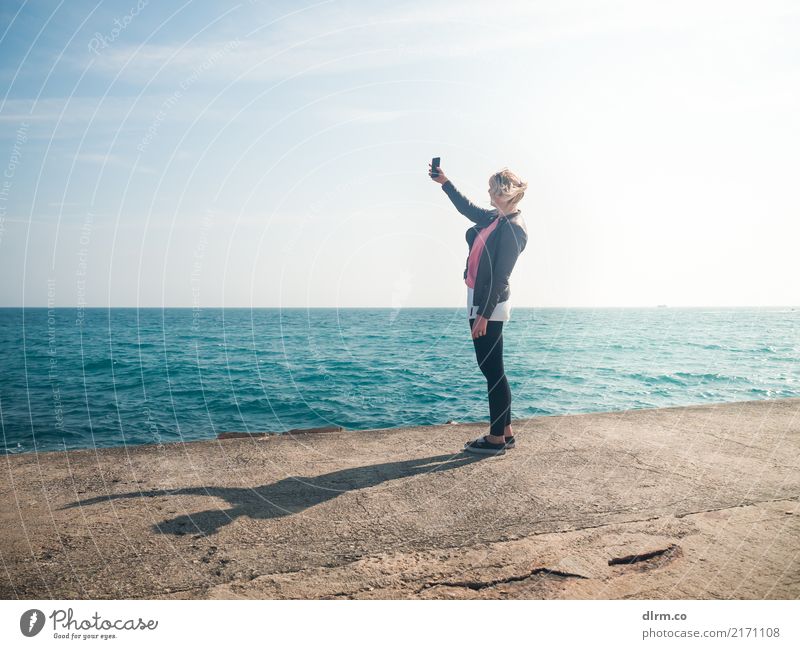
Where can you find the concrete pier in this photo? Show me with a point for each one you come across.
(693, 502)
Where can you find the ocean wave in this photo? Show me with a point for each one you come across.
(657, 378)
(683, 378)
(102, 364)
(703, 376)
(712, 346)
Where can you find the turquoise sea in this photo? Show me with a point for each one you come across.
(109, 377)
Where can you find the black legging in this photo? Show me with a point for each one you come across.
(489, 353)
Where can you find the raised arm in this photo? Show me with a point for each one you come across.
(474, 213)
(479, 215)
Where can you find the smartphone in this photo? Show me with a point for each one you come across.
(435, 167)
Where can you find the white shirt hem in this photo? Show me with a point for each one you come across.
(502, 310)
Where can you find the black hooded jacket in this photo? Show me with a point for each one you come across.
(503, 247)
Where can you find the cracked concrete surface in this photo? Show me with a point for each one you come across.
(696, 502)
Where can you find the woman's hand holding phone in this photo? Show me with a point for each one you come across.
(440, 178)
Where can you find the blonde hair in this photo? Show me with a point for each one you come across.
(507, 185)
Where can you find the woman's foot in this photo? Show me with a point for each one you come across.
(483, 446)
(506, 438)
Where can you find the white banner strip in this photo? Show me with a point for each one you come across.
(354, 624)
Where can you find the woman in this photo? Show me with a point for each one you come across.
(495, 242)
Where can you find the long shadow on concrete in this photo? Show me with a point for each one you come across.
(284, 497)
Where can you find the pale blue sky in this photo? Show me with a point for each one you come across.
(275, 153)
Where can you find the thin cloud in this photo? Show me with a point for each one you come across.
(335, 43)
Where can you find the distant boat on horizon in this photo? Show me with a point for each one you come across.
(662, 306)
